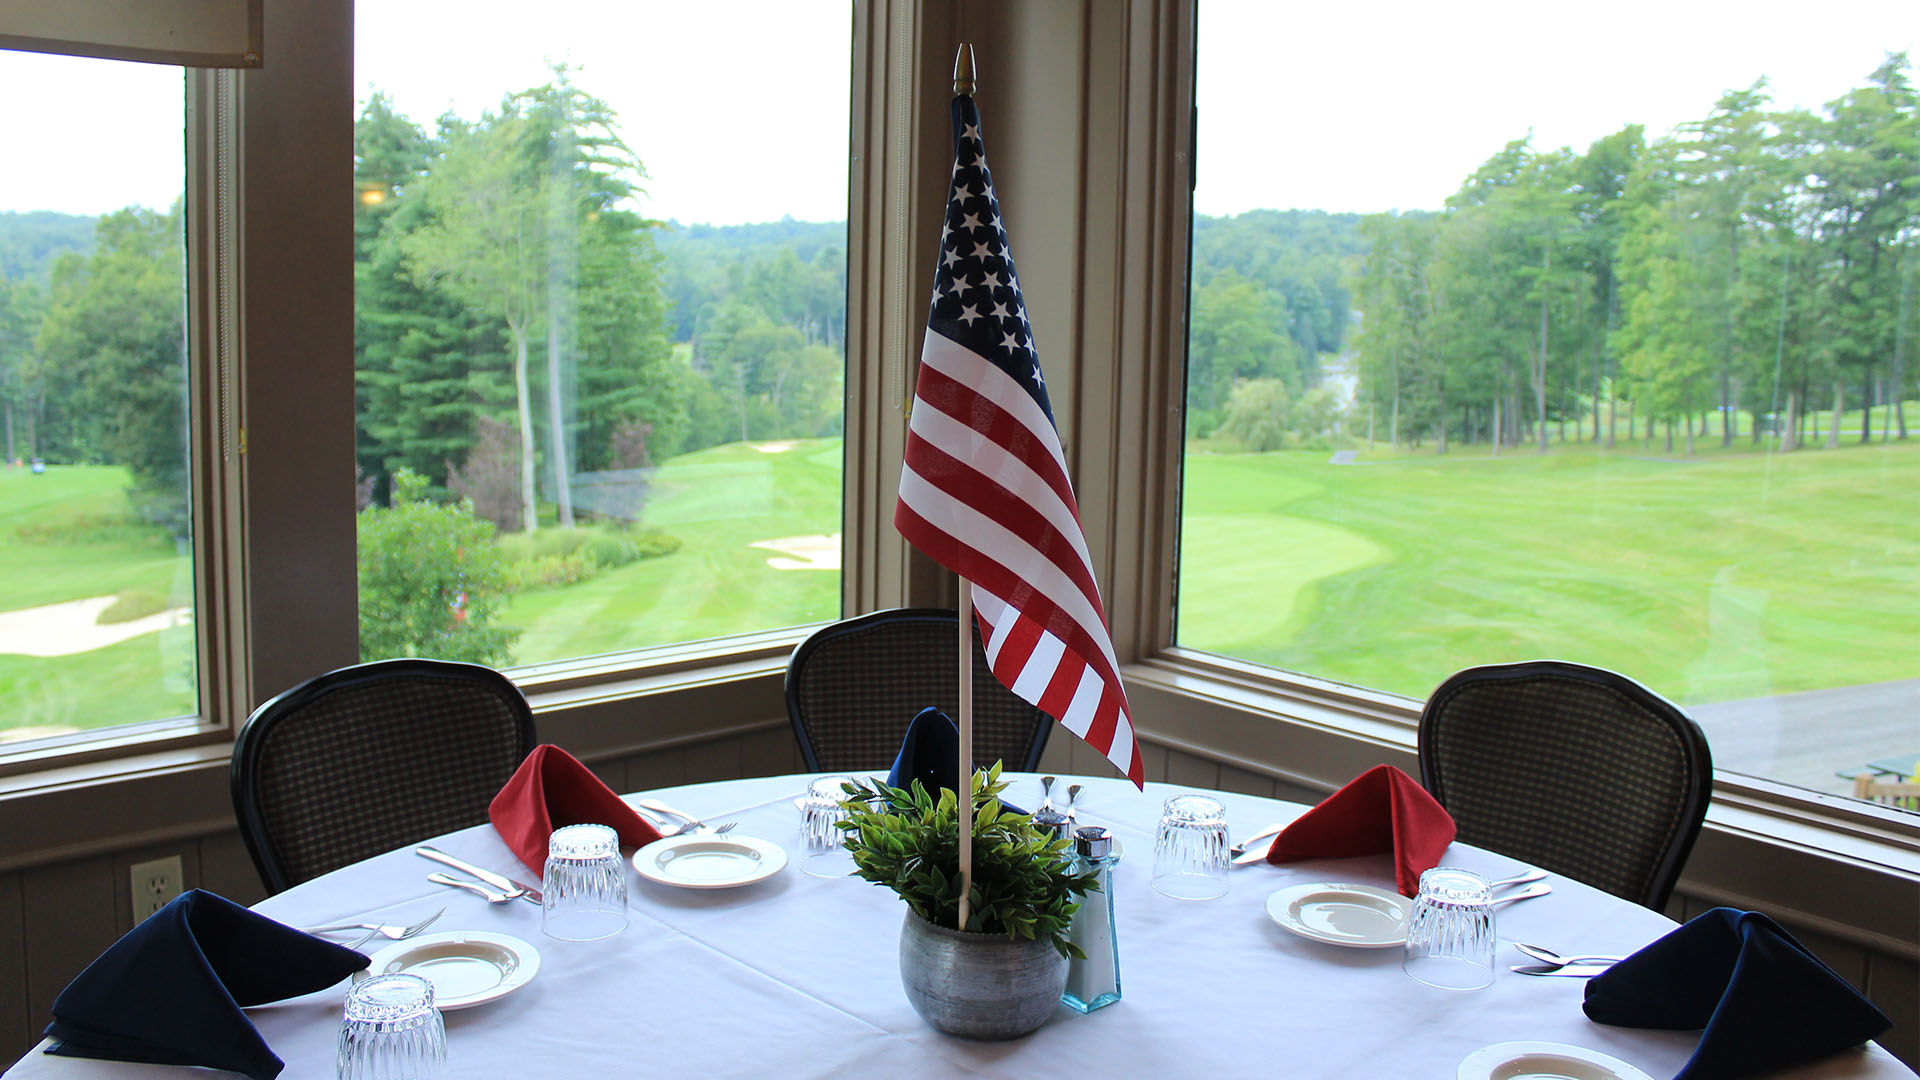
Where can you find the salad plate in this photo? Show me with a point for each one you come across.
(707, 861)
(1357, 916)
(1544, 1061)
(466, 967)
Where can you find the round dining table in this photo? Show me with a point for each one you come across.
(798, 976)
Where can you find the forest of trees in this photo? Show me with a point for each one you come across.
(1756, 261)
(524, 338)
(522, 335)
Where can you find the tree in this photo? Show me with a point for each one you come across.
(22, 307)
(431, 580)
(1256, 415)
(1239, 332)
(113, 359)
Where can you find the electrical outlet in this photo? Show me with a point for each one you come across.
(154, 883)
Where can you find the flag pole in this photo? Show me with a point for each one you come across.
(963, 84)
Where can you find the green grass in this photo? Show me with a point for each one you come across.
(717, 501)
(1725, 575)
(67, 534)
(1728, 575)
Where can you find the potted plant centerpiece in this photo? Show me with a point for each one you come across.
(1001, 975)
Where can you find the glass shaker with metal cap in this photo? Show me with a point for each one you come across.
(1094, 981)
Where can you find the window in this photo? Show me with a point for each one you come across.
(97, 540)
(600, 325)
(1496, 355)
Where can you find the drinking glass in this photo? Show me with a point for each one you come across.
(821, 838)
(391, 1031)
(1450, 933)
(585, 884)
(1190, 849)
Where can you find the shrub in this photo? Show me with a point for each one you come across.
(431, 580)
(654, 543)
(606, 550)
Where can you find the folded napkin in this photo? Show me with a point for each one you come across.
(930, 753)
(170, 991)
(1765, 1001)
(1382, 809)
(550, 789)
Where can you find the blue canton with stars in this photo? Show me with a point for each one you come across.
(976, 291)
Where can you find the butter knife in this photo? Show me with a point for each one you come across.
(499, 881)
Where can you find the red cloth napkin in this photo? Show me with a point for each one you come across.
(1382, 809)
(550, 789)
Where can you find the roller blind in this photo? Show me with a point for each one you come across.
(190, 33)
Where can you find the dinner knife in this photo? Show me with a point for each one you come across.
(499, 881)
(1575, 971)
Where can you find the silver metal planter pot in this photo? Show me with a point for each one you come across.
(979, 986)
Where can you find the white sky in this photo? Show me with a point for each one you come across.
(1359, 107)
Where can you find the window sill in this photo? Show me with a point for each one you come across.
(1850, 868)
(139, 787)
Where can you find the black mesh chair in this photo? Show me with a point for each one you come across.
(364, 759)
(852, 688)
(1574, 769)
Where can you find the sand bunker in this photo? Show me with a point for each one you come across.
(73, 627)
(780, 447)
(803, 552)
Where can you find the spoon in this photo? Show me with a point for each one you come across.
(1239, 851)
(1521, 879)
(1528, 893)
(1046, 793)
(1073, 795)
(1550, 957)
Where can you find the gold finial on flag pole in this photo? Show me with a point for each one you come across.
(963, 69)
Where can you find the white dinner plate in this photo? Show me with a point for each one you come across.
(466, 967)
(1544, 1061)
(698, 861)
(1358, 916)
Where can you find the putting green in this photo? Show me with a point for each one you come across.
(1714, 578)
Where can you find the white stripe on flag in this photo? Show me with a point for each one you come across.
(1038, 671)
(997, 544)
(971, 370)
(992, 460)
(1078, 716)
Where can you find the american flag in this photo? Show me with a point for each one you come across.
(984, 488)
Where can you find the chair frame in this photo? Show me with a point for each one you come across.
(256, 732)
(1693, 742)
(861, 623)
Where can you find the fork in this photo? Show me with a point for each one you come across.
(396, 933)
(721, 829)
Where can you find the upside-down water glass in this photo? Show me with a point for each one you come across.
(1450, 935)
(822, 839)
(585, 886)
(1190, 849)
(391, 1031)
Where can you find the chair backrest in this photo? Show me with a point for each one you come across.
(1890, 791)
(364, 759)
(853, 687)
(1576, 769)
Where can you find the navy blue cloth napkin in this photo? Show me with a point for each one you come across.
(931, 754)
(1764, 1001)
(170, 991)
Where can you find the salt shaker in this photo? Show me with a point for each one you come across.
(1094, 982)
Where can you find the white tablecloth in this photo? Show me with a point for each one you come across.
(798, 976)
